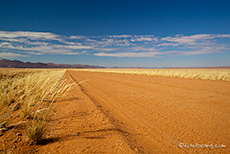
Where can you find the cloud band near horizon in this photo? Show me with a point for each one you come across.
(25, 44)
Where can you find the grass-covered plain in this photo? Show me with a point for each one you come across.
(205, 74)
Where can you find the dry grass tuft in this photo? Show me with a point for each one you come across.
(26, 111)
(4, 117)
(35, 131)
(32, 94)
(4, 120)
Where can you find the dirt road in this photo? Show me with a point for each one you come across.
(162, 114)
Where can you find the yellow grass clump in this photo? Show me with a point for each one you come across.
(35, 131)
(33, 88)
(33, 92)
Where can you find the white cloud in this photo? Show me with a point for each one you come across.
(105, 42)
(77, 37)
(141, 48)
(106, 49)
(202, 51)
(5, 44)
(71, 47)
(198, 52)
(28, 42)
(130, 54)
(30, 35)
(142, 38)
(120, 36)
(39, 43)
(13, 39)
(223, 35)
(168, 44)
(40, 49)
(11, 55)
(188, 40)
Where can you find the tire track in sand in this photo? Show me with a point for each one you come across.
(78, 126)
(158, 113)
(111, 119)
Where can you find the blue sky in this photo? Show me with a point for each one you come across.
(186, 33)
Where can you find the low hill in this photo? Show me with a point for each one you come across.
(4, 63)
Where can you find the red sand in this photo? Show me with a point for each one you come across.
(117, 113)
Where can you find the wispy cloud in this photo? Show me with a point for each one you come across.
(223, 35)
(25, 43)
(11, 55)
(39, 43)
(188, 40)
(141, 48)
(130, 54)
(30, 35)
(120, 36)
(143, 38)
(77, 37)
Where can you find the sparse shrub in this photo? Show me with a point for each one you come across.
(35, 131)
(26, 111)
(42, 114)
(4, 118)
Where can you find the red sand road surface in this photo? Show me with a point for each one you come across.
(156, 114)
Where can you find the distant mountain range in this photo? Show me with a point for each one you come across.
(4, 63)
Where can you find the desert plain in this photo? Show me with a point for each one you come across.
(110, 112)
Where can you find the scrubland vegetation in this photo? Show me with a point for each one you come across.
(26, 96)
(205, 74)
(7, 73)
